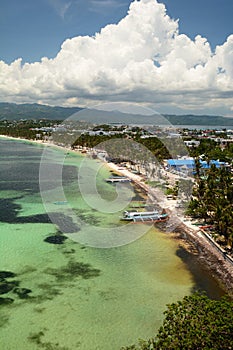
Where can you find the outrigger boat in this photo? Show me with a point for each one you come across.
(144, 216)
(114, 179)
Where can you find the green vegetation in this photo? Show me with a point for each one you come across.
(197, 323)
(28, 129)
(156, 146)
(173, 191)
(190, 119)
(212, 196)
(91, 141)
(213, 201)
(210, 149)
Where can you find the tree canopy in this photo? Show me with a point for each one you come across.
(213, 201)
(196, 322)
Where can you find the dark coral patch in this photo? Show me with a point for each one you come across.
(6, 287)
(6, 301)
(6, 274)
(72, 270)
(22, 292)
(56, 239)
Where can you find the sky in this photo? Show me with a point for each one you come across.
(175, 56)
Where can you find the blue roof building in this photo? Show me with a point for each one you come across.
(189, 164)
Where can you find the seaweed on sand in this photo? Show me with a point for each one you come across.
(72, 270)
(36, 338)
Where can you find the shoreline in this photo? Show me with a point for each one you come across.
(190, 237)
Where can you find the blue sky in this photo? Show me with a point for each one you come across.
(142, 57)
(32, 29)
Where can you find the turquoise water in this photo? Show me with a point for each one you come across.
(80, 297)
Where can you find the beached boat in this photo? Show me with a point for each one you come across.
(114, 179)
(144, 216)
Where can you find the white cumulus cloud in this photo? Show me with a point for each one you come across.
(143, 58)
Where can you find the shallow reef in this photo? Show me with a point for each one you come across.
(55, 239)
(6, 301)
(7, 286)
(72, 270)
(22, 292)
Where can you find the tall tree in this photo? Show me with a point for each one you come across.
(197, 323)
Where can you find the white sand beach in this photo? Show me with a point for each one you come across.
(178, 222)
(212, 257)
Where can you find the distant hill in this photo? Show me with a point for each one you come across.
(190, 119)
(103, 117)
(12, 111)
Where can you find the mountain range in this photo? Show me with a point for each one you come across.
(12, 111)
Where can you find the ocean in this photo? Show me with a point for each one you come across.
(71, 296)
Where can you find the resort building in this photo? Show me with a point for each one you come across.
(187, 166)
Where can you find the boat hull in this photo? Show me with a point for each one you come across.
(146, 219)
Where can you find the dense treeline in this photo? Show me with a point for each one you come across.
(25, 129)
(154, 145)
(157, 147)
(210, 149)
(213, 201)
(197, 323)
(22, 129)
(92, 141)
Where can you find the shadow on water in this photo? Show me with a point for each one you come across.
(9, 213)
(9, 210)
(203, 280)
(25, 176)
(20, 168)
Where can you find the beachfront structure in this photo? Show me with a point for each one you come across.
(192, 143)
(187, 166)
